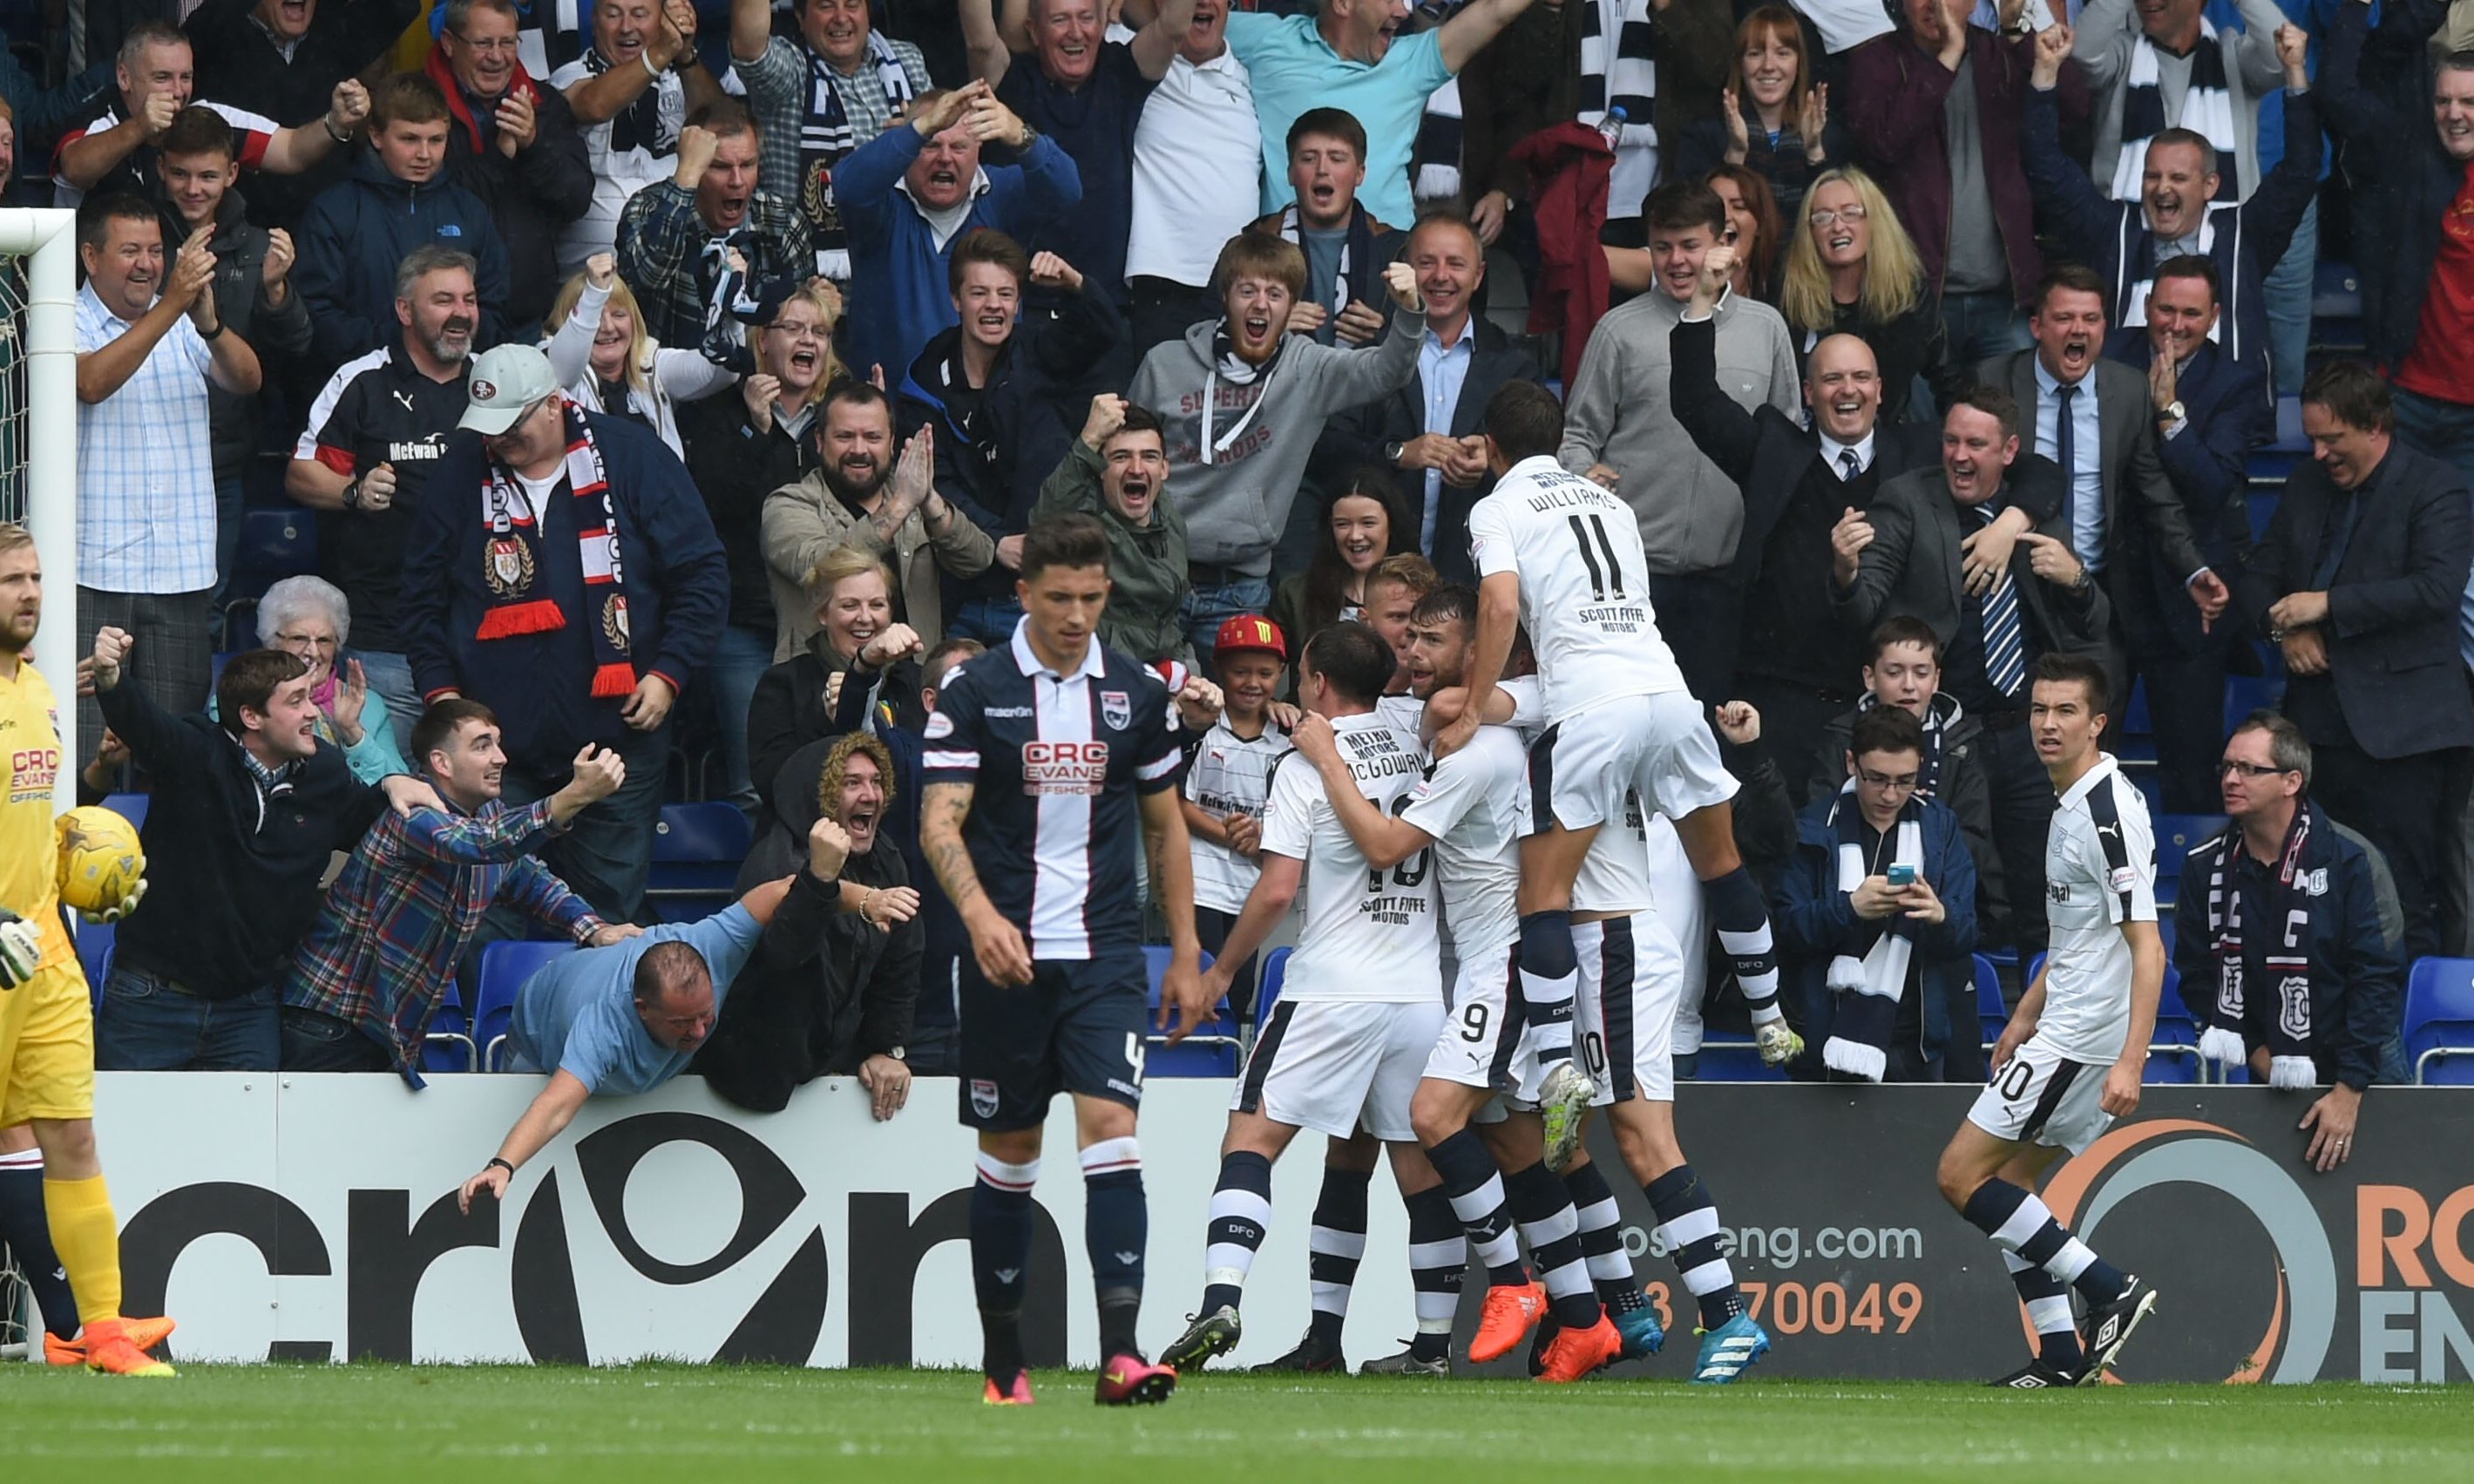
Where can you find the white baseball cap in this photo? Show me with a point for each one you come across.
(505, 383)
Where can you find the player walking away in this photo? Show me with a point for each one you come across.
(2068, 1062)
(46, 1017)
(1563, 556)
(1035, 763)
(1362, 1003)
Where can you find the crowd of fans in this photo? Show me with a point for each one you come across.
(697, 372)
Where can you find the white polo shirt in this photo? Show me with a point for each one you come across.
(1197, 170)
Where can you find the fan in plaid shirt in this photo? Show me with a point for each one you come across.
(362, 987)
(666, 228)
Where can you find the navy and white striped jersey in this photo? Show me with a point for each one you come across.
(1055, 762)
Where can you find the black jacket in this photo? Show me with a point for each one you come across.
(233, 873)
(995, 447)
(1767, 454)
(277, 334)
(531, 197)
(2395, 685)
(788, 710)
(237, 63)
(2404, 182)
(735, 467)
(825, 990)
(1358, 436)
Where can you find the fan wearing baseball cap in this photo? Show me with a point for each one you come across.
(561, 570)
(1229, 780)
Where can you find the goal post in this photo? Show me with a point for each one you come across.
(39, 441)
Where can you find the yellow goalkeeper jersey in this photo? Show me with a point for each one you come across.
(30, 739)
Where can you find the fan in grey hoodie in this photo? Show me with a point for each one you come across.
(1243, 402)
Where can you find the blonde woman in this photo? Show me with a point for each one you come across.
(793, 703)
(599, 352)
(1851, 268)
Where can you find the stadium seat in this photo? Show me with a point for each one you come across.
(697, 851)
(1992, 1012)
(2439, 1021)
(2246, 694)
(449, 1047)
(1733, 1062)
(2336, 292)
(94, 944)
(505, 968)
(2175, 835)
(1211, 1051)
(2135, 720)
(274, 544)
(131, 807)
(2290, 437)
(1275, 974)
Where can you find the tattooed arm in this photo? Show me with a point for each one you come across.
(997, 944)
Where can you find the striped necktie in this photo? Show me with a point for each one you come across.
(2005, 644)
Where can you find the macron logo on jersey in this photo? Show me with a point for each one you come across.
(1066, 768)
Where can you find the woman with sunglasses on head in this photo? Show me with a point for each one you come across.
(1851, 268)
(1773, 119)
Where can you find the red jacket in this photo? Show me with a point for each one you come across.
(1571, 162)
(1895, 91)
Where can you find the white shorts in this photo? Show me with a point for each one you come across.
(1623, 1014)
(1483, 1035)
(1580, 767)
(2042, 1096)
(1338, 1065)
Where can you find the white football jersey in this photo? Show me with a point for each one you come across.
(1584, 585)
(2100, 873)
(1476, 804)
(1368, 935)
(1230, 775)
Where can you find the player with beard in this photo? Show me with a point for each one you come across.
(855, 497)
(54, 1211)
(372, 433)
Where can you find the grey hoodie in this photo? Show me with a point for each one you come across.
(1237, 504)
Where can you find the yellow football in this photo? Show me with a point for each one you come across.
(102, 864)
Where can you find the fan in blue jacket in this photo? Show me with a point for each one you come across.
(909, 193)
(1878, 1008)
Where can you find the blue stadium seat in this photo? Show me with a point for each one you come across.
(1275, 974)
(1733, 1062)
(1211, 1051)
(505, 968)
(449, 1047)
(2290, 437)
(2175, 835)
(2336, 292)
(1992, 1014)
(697, 851)
(2439, 1021)
(2135, 722)
(2246, 694)
(131, 807)
(94, 945)
(274, 544)
(2173, 1046)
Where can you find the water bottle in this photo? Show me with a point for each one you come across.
(1610, 127)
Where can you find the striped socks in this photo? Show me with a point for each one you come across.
(1438, 1259)
(1687, 1222)
(2017, 1222)
(1241, 1217)
(1334, 1246)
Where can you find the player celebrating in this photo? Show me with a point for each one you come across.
(1035, 764)
(1362, 1003)
(1564, 555)
(46, 1018)
(2068, 1062)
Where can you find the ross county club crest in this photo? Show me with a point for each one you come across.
(614, 622)
(983, 1097)
(508, 566)
(1117, 709)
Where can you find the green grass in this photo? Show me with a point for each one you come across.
(370, 1422)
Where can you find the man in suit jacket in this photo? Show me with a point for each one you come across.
(2118, 502)
(2212, 410)
(1795, 664)
(1907, 554)
(2358, 579)
(1431, 431)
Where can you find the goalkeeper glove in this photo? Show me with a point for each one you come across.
(127, 905)
(21, 949)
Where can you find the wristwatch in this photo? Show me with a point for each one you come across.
(899, 1053)
(352, 496)
(1393, 451)
(2171, 412)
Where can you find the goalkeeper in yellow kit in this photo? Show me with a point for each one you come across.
(46, 1018)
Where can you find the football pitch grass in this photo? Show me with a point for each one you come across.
(368, 1423)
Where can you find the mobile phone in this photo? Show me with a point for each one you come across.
(1902, 875)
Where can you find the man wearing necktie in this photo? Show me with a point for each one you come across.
(2092, 416)
(1910, 552)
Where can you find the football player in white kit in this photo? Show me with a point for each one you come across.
(2070, 1062)
(1563, 556)
(1362, 999)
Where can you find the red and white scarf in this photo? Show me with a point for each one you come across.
(511, 560)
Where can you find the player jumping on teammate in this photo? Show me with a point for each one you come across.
(2069, 1063)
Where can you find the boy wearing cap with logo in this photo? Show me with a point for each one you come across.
(561, 570)
(1227, 782)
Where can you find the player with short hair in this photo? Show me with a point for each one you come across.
(1035, 765)
(2070, 1062)
(46, 1016)
(1361, 1004)
(1564, 555)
